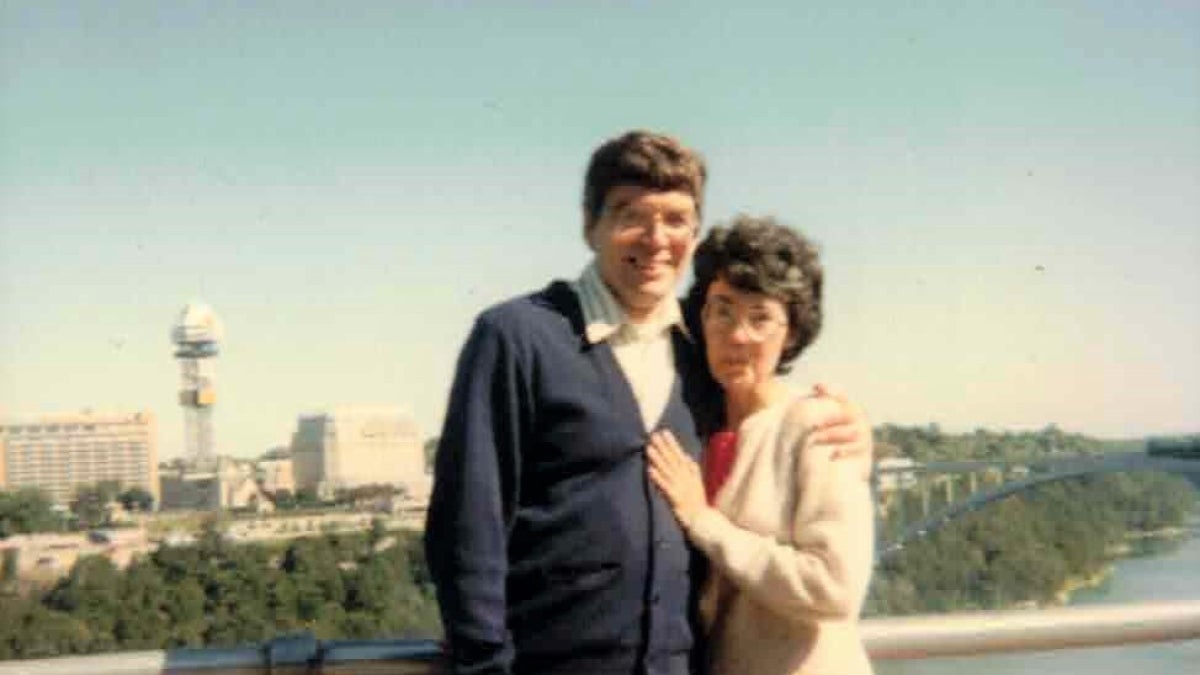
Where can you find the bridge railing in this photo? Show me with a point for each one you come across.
(913, 637)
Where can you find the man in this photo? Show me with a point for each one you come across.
(550, 550)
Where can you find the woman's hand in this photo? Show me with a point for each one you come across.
(676, 475)
(849, 432)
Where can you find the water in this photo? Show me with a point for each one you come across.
(1168, 571)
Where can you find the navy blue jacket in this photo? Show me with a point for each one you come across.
(550, 549)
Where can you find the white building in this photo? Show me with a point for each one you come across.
(359, 445)
(61, 452)
(274, 471)
(896, 473)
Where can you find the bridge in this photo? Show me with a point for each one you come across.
(1010, 477)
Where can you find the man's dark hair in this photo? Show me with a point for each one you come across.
(643, 159)
(761, 255)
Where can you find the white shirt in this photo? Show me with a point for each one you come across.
(643, 350)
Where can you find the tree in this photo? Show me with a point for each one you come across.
(27, 510)
(284, 499)
(142, 622)
(211, 544)
(238, 597)
(306, 497)
(364, 493)
(313, 569)
(282, 602)
(377, 532)
(372, 587)
(137, 498)
(45, 633)
(91, 593)
(13, 610)
(90, 505)
(8, 569)
(185, 608)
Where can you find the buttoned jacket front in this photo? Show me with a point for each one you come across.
(550, 550)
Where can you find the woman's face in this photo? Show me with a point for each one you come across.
(745, 333)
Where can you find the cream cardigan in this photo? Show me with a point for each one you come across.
(791, 542)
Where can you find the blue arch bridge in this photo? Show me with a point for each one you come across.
(947, 490)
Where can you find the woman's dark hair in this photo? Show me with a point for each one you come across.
(758, 254)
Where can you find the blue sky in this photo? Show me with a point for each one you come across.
(1008, 199)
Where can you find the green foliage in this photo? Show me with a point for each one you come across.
(29, 630)
(137, 498)
(142, 622)
(929, 443)
(284, 500)
(184, 606)
(377, 532)
(217, 593)
(8, 568)
(365, 494)
(25, 511)
(311, 565)
(306, 498)
(91, 593)
(1028, 547)
(90, 504)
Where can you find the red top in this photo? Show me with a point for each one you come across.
(719, 456)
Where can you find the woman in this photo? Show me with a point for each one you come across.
(786, 524)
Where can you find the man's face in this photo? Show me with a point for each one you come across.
(643, 240)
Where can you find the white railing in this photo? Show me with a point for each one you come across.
(988, 632)
(913, 637)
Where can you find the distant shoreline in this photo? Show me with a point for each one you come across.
(1117, 552)
(1075, 584)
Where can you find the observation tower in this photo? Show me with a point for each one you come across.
(197, 335)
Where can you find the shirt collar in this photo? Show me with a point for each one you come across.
(603, 316)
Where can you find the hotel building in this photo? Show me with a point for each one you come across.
(60, 452)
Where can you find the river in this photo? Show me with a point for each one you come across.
(1163, 571)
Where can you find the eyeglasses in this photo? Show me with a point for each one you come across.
(677, 224)
(761, 324)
